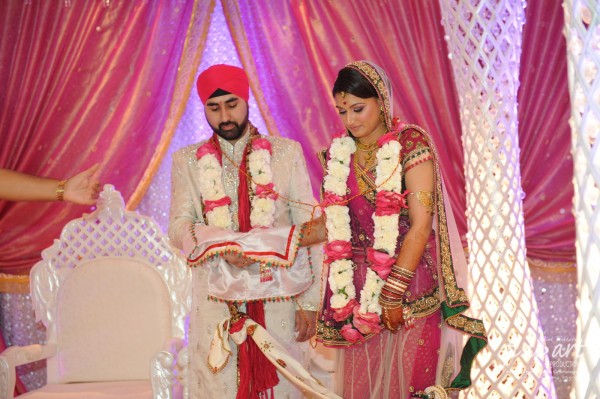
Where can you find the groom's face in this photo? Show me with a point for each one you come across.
(227, 115)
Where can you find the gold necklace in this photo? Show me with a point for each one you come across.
(366, 185)
(369, 149)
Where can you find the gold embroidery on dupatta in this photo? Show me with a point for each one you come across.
(426, 305)
(472, 326)
(455, 295)
(376, 80)
(447, 369)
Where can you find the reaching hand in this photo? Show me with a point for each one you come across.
(84, 187)
(305, 324)
(314, 231)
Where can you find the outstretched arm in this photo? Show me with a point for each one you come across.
(300, 190)
(80, 189)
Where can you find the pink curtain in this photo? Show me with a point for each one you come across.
(270, 47)
(88, 84)
(545, 136)
(80, 85)
(301, 45)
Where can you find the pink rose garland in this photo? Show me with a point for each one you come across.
(216, 202)
(363, 318)
(208, 148)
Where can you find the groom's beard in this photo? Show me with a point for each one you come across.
(231, 130)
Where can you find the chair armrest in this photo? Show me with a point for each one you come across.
(169, 371)
(14, 356)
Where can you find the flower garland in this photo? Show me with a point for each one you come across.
(365, 317)
(263, 202)
(216, 202)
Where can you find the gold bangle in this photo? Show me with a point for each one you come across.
(394, 289)
(396, 284)
(402, 271)
(60, 190)
(387, 304)
(391, 293)
(390, 300)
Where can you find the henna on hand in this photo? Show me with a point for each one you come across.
(313, 232)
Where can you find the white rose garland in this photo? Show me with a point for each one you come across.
(389, 178)
(262, 212)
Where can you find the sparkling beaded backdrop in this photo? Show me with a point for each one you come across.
(484, 40)
(582, 19)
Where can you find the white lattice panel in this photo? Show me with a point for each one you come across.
(484, 40)
(582, 19)
(111, 231)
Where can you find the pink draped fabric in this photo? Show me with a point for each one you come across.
(297, 48)
(80, 85)
(545, 136)
(300, 105)
(410, 359)
(301, 45)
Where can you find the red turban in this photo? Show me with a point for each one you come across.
(225, 77)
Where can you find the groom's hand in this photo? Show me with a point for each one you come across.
(237, 260)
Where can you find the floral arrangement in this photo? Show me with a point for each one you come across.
(216, 202)
(364, 317)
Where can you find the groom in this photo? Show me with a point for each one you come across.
(239, 180)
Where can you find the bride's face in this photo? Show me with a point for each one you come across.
(360, 116)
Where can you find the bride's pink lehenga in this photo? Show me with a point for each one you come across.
(395, 365)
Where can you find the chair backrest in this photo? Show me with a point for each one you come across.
(112, 292)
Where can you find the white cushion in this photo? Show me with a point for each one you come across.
(113, 316)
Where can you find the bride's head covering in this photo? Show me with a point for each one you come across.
(378, 79)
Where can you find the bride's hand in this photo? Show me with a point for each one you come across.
(313, 231)
(392, 319)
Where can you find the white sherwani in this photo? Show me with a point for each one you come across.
(291, 180)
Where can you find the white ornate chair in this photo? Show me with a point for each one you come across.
(114, 296)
